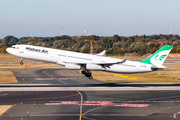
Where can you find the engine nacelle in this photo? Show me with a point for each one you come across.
(93, 67)
(72, 66)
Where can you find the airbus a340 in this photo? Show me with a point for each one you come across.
(88, 62)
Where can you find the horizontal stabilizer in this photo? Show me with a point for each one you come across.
(155, 68)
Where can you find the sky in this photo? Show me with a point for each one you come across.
(46, 18)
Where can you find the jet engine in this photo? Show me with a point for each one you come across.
(72, 66)
(93, 67)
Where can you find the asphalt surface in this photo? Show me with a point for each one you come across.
(142, 101)
(32, 105)
(55, 76)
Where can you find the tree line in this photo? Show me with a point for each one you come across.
(112, 44)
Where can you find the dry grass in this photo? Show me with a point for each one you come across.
(7, 77)
(168, 76)
(8, 57)
(26, 65)
(4, 108)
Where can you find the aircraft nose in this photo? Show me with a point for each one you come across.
(8, 50)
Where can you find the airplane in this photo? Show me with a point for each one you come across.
(88, 62)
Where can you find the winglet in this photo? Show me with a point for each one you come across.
(123, 60)
(158, 57)
(101, 53)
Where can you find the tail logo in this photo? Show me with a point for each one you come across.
(157, 57)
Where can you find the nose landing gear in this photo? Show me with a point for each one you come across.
(87, 73)
(21, 61)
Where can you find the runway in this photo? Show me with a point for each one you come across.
(78, 98)
(133, 104)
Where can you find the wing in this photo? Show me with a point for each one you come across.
(112, 63)
(100, 63)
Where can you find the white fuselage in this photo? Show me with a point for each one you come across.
(62, 57)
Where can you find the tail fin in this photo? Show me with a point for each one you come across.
(158, 57)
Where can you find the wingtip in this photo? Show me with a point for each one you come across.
(102, 53)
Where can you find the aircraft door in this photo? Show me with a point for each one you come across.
(21, 49)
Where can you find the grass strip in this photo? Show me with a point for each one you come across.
(7, 77)
(4, 108)
(26, 65)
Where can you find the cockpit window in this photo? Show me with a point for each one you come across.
(13, 47)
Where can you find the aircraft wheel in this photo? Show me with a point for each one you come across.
(86, 74)
(83, 72)
(21, 63)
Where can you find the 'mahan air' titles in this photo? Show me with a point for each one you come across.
(37, 50)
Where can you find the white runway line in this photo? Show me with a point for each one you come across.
(87, 88)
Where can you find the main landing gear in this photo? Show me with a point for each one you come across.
(21, 61)
(87, 73)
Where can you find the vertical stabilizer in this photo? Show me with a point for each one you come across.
(158, 57)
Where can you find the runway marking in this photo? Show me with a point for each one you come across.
(178, 112)
(43, 78)
(114, 101)
(93, 109)
(117, 74)
(132, 78)
(124, 76)
(98, 103)
(53, 77)
(88, 118)
(102, 104)
(81, 105)
(91, 115)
